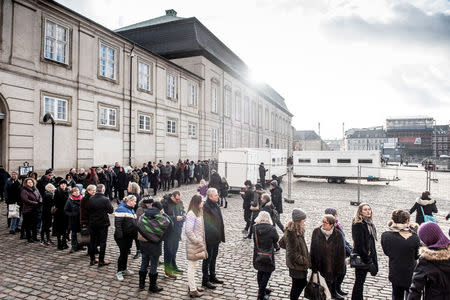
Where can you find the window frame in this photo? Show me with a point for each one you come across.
(138, 120)
(194, 125)
(214, 98)
(175, 127)
(101, 105)
(246, 117)
(68, 50)
(214, 138)
(68, 99)
(150, 76)
(227, 102)
(116, 49)
(192, 85)
(175, 86)
(238, 106)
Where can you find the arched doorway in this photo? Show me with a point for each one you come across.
(267, 143)
(3, 133)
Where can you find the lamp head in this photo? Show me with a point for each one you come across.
(48, 117)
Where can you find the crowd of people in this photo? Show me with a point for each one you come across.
(79, 205)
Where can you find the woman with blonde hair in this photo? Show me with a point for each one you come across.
(264, 238)
(364, 236)
(47, 204)
(135, 190)
(195, 242)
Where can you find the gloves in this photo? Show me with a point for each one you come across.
(373, 269)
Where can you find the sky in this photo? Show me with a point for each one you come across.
(355, 62)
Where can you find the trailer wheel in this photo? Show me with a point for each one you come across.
(331, 180)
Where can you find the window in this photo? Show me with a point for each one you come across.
(214, 98)
(364, 161)
(439, 139)
(192, 94)
(260, 116)
(445, 146)
(144, 76)
(227, 104)
(304, 160)
(227, 139)
(246, 109)
(273, 121)
(145, 123)
(108, 117)
(238, 140)
(107, 61)
(266, 119)
(323, 161)
(192, 130)
(254, 113)
(238, 107)
(439, 147)
(214, 140)
(444, 139)
(171, 86)
(56, 42)
(171, 127)
(343, 161)
(57, 107)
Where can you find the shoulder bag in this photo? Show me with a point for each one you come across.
(314, 290)
(356, 262)
(263, 257)
(427, 218)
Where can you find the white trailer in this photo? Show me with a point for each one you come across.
(337, 166)
(240, 164)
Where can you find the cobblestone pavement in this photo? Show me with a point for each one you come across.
(37, 272)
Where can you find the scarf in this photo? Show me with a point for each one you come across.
(371, 227)
(327, 233)
(75, 198)
(405, 230)
(425, 202)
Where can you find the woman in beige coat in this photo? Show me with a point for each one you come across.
(195, 242)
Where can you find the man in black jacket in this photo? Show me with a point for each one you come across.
(248, 198)
(262, 175)
(12, 196)
(99, 207)
(214, 235)
(174, 208)
(276, 193)
(215, 180)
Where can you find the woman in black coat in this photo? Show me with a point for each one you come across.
(72, 210)
(328, 253)
(47, 203)
(31, 206)
(60, 220)
(265, 237)
(154, 179)
(364, 235)
(122, 183)
(401, 244)
(424, 204)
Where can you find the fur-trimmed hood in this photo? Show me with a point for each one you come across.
(425, 202)
(394, 227)
(435, 255)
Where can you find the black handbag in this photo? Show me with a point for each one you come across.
(83, 237)
(263, 256)
(357, 263)
(314, 290)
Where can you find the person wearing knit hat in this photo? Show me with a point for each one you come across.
(432, 273)
(298, 259)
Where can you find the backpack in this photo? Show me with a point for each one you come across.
(153, 229)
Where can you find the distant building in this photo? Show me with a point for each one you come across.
(441, 140)
(371, 138)
(335, 145)
(414, 133)
(308, 140)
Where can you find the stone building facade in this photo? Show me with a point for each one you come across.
(371, 138)
(55, 60)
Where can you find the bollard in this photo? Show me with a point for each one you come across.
(357, 203)
(289, 174)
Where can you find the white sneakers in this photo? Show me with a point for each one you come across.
(128, 272)
(119, 276)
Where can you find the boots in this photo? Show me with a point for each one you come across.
(142, 276)
(138, 254)
(226, 204)
(154, 288)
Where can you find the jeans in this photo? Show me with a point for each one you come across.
(191, 275)
(170, 251)
(399, 293)
(147, 259)
(358, 287)
(298, 284)
(278, 223)
(247, 218)
(124, 248)
(263, 280)
(73, 238)
(99, 235)
(15, 222)
(209, 264)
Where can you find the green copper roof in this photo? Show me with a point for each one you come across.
(171, 15)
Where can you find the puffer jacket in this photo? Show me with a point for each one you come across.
(31, 200)
(431, 275)
(195, 233)
(125, 222)
(297, 255)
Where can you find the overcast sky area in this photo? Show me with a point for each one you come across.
(333, 61)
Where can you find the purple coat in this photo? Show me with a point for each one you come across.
(31, 200)
(202, 190)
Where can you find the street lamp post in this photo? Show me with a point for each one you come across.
(49, 117)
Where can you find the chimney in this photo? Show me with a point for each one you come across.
(171, 12)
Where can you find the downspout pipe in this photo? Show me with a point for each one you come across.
(131, 103)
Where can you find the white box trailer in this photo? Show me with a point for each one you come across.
(240, 164)
(337, 166)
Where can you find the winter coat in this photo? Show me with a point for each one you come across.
(174, 210)
(195, 233)
(402, 254)
(84, 216)
(223, 191)
(60, 220)
(140, 209)
(47, 203)
(3, 178)
(267, 237)
(125, 222)
(31, 200)
(262, 173)
(81, 177)
(191, 171)
(429, 207)
(212, 218)
(268, 206)
(364, 243)
(297, 255)
(202, 190)
(256, 204)
(122, 181)
(150, 248)
(327, 256)
(431, 275)
(248, 198)
(215, 181)
(72, 210)
(154, 179)
(99, 207)
(41, 183)
(277, 200)
(12, 192)
(144, 182)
